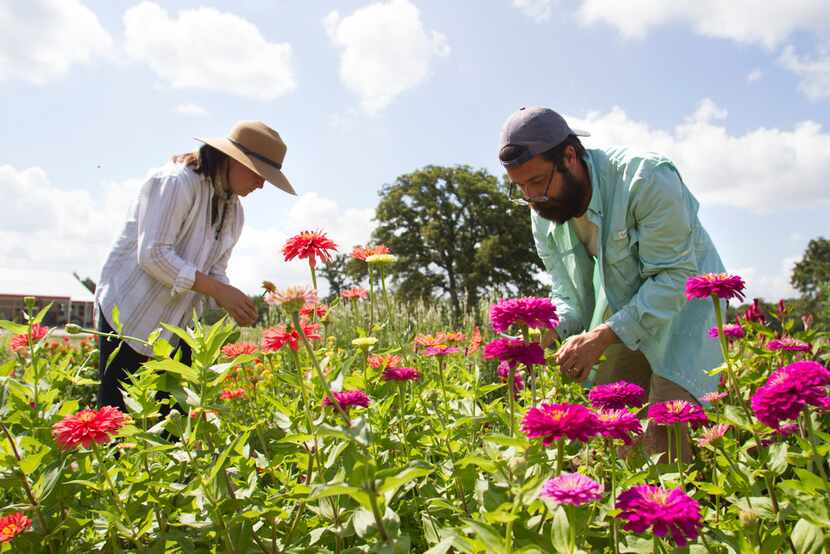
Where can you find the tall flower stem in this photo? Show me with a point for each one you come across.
(734, 392)
(817, 461)
(371, 299)
(313, 274)
(401, 414)
(385, 295)
(511, 376)
(560, 456)
(443, 388)
(678, 447)
(612, 470)
(530, 374)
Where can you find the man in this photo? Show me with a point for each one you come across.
(619, 235)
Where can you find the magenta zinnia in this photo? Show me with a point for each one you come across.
(503, 371)
(677, 411)
(552, 422)
(788, 343)
(514, 351)
(440, 350)
(572, 488)
(731, 331)
(619, 424)
(537, 313)
(87, 427)
(664, 511)
(401, 374)
(788, 390)
(620, 394)
(309, 245)
(348, 398)
(722, 285)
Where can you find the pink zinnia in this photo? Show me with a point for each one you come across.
(619, 424)
(572, 488)
(677, 411)
(620, 394)
(230, 394)
(722, 285)
(552, 422)
(12, 525)
(664, 511)
(292, 299)
(440, 350)
(21, 341)
(788, 390)
(88, 426)
(382, 361)
(239, 348)
(788, 343)
(319, 309)
(348, 398)
(363, 252)
(401, 374)
(275, 338)
(714, 396)
(503, 372)
(754, 313)
(309, 245)
(537, 313)
(731, 331)
(711, 434)
(515, 351)
(354, 293)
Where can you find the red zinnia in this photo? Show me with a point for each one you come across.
(18, 342)
(320, 309)
(229, 394)
(722, 285)
(515, 351)
(440, 350)
(12, 525)
(88, 426)
(239, 348)
(788, 343)
(354, 293)
(311, 245)
(620, 394)
(275, 338)
(348, 398)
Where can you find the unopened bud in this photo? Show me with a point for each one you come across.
(30, 302)
(72, 328)
(748, 518)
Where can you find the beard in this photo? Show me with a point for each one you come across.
(568, 205)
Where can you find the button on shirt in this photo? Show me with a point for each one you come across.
(169, 235)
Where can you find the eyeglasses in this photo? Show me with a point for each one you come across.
(523, 200)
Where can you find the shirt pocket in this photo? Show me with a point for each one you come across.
(622, 258)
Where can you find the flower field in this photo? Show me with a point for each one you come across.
(366, 426)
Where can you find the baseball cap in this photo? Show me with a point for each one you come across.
(537, 129)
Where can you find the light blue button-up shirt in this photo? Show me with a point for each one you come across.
(650, 242)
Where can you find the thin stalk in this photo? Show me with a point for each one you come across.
(511, 376)
(402, 408)
(371, 299)
(678, 446)
(530, 374)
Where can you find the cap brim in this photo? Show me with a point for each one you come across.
(264, 170)
(581, 133)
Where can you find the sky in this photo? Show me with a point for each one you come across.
(97, 93)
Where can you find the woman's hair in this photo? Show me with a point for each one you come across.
(206, 161)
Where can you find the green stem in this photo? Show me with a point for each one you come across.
(371, 299)
(678, 446)
(560, 456)
(817, 461)
(402, 408)
(313, 275)
(511, 375)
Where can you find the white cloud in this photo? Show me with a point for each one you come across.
(814, 73)
(209, 49)
(385, 50)
(762, 169)
(42, 39)
(754, 75)
(190, 109)
(747, 21)
(52, 229)
(770, 284)
(539, 10)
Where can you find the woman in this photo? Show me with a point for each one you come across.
(175, 246)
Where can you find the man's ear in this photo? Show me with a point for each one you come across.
(569, 156)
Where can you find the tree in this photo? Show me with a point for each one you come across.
(813, 271)
(342, 272)
(456, 235)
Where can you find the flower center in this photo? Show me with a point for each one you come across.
(10, 529)
(87, 416)
(675, 406)
(659, 496)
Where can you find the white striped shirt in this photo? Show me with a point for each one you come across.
(167, 238)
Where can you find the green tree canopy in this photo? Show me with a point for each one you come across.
(457, 235)
(813, 271)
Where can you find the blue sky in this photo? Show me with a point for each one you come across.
(97, 93)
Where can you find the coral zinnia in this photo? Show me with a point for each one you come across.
(665, 511)
(354, 293)
(401, 374)
(18, 342)
(788, 343)
(229, 394)
(88, 426)
(714, 396)
(707, 436)
(292, 299)
(677, 411)
(552, 422)
(572, 488)
(382, 361)
(475, 342)
(275, 338)
(731, 331)
(788, 390)
(536, 313)
(515, 351)
(319, 309)
(722, 285)
(363, 252)
(310, 245)
(348, 398)
(238, 348)
(12, 525)
(619, 424)
(620, 394)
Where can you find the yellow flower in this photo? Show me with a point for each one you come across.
(365, 342)
(381, 259)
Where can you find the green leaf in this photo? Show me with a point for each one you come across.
(487, 465)
(358, 494)
(504, 440)
(364, 522)
(114, 353)
(392, 484)
(220, 462)
(31, 462)
(560, 531)
(182, 334)
(778, 458)
(807, 537)
(116, 320)
(491, 538)
(14, 328)
(174, 366)
(41, 314)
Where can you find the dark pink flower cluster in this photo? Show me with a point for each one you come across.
(619, 424)
(533, 312)
(572, 488)
(754, 313)
(788, 343)
(664, 511)
(620, 394)
(514, 351)
(731, 331)
(401, 374)
(503, 372)
(348, 398)
(788, 390)
(552, 422)
(677, 411)
(722, 285)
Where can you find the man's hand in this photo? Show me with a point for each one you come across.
(548, 338)
(579, 353)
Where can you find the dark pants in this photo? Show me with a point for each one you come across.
(125, 362)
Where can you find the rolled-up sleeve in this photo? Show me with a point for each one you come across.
(562, 292)
(664, 212)
(163, 207)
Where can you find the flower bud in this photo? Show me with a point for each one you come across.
(748, 518)
(72, 328)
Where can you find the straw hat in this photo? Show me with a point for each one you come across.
(257, 147)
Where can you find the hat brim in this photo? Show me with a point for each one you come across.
(264, 170)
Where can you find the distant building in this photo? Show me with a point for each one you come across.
(71, 301)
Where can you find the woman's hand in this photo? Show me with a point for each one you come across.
(237, 304)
